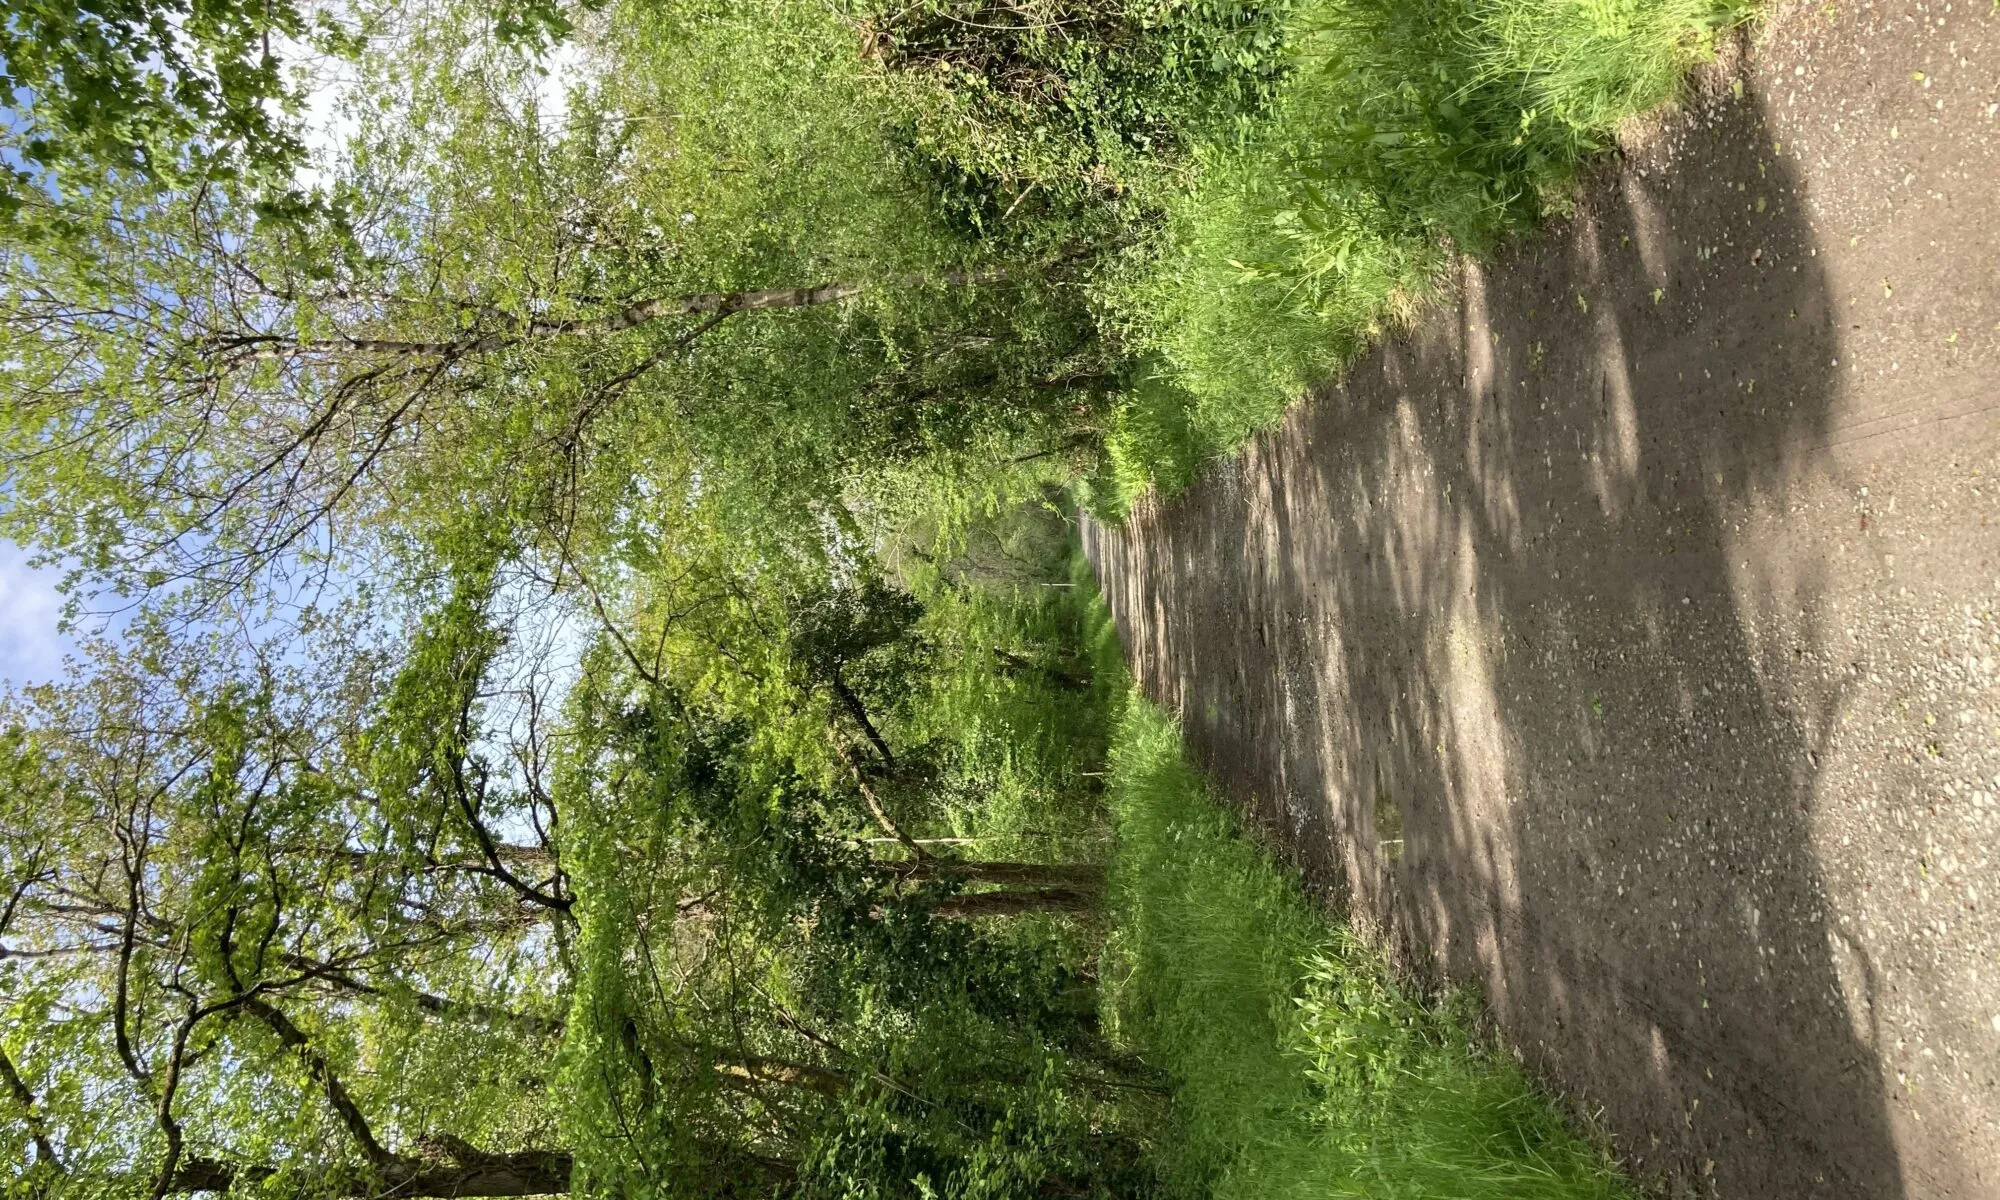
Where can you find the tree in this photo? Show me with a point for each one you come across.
(950, 1048)
(373, 924)
(225, 969)
(520, 318)
(481, 803)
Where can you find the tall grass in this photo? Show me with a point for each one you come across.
(1405, 130)
(1301, 1067)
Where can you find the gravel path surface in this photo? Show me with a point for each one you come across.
(1623, 638)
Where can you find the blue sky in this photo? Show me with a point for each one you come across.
(31, 651)
(31, 648)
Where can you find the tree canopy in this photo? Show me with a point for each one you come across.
(522, 768)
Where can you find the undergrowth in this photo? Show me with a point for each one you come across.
(1273, 1054)
(1404, 131)
(1260, 188)
(1301, 1066)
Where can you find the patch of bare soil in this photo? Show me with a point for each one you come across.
(1623, 640)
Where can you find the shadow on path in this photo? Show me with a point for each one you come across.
(1513, 637)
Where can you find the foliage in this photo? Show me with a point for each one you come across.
(167, 91)
(115, 102)
(302, 903)
(225, 967)
(610, 703)
(911, 1055)
(1058, 121)
(1404, 133)
(1301, 1066)
(1024, 709)
(775, 159)
(716, 277)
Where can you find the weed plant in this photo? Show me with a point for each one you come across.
(1301, 1066)
(1405, 131)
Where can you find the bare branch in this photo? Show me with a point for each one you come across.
(441, 1005)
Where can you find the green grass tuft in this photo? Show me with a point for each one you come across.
(1301, 1068)
(1405, 130)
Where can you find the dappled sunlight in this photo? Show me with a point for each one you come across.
(1650, 233)
(1489, 427)
(1563, 635)
(1615, 462)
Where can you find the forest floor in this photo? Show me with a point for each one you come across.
(1621, 639)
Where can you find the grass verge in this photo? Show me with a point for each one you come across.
(1300, 1066)
(1403, 131)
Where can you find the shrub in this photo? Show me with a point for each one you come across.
(1404, 131)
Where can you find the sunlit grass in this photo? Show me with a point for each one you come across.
(1301, 1067)
(1407, 130)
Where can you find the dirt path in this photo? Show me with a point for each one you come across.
(1625, 638)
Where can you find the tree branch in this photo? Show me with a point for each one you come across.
(38, 1128)
(856, 710)
(754, 1069)
(441, 1005)
(322, 1072)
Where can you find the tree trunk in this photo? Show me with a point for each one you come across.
(753, 1069)
(1025, 887)
(250, 347)
(859, 712)
(1076, 877)
(971, 905)
(525, 1173)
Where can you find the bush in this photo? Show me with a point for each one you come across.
(1060, 119)
(1405, 130)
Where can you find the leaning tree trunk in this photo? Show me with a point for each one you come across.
(1016, 902)
(526, 1173)
(1077, 877)
(1023, 887)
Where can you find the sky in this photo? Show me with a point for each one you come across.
(31, 647)
(329, 85)
(31, 650)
